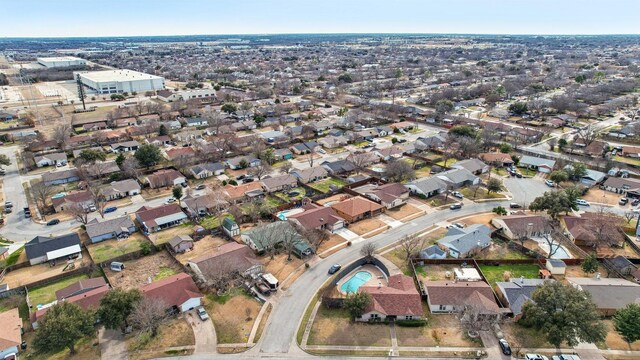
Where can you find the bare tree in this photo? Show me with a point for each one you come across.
(368, 250)
(214, 119)
(260, 171)
(79, 213)
(588, 134)
(311, 157)
(286, 168)
(629, 215)
(475, 318)
(289, 238)
(410, 244)
(359, 161)
(61, 132)
(218, 274)
(99, 199)
(41, 194)
(149, 315)
(606, 228)
(131, 167)
(399, 171)
(552, 235)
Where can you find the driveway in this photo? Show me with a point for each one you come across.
(112, 345)
(205, 333)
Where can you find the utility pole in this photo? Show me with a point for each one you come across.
(80, 91)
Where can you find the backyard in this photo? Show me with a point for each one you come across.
(233, 315)
(109, 249)
(334, 327)
(324, 186)
(296, 193)
(495, 274)
(137, 272)
(165, 235)
(207, 244)
(47, 293)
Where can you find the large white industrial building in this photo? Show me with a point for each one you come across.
(120, 81)
(61, 61)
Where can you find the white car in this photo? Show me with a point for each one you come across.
(170, 200)
(550, 183)
(535, 357)
(582, 202)
(202, 313)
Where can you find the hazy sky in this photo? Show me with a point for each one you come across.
(185, 17)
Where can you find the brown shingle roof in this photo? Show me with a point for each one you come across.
(315, 216)
(400, 297)
(356, 206)
(10, 323)
(146, 213)
(82, 285)
(174, 290)
(461, 293)
(238, 256)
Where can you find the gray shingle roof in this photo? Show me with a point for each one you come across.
(41, 245)
(467, 239)
(97, 228)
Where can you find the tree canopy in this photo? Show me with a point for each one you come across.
(148, 155)
(229, 108)
(4, 160)
(91, 156)
(356, 303)
(564, 314)
(463, 130)
(61, 327)
(116, 306)
(518, 108)
(554, 203)
(627, 322)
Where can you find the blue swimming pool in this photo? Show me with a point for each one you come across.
(352, 285)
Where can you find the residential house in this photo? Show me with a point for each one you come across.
(94, 126)
(595, 148)
(266, 236)
(6, 116)
(231, 256)
(403, 125)
(427, 187)
(205, 204)
(121, 189)
(389, 195)
(60, 177)
(230, 227)
(126, 122)
(165, 178)
(517, 292)
(497, 159)
(81, 199)
(55, 159)
(363, 159)
(465, 242)
(580, 229)
(183, 154)
(431, 142)
(126, 146)
(100, 230)
(399, 300)
(631, 151)
(332, 142)
(244, 192)
(163, 140)
(177, 292)
(172, 125)
(181, 243)
(101, 168)
(474, 166)
(208, 169)
(449, 296)
(525, 135)
(241, 162)
(629, 187)
(433, 252)
(591, 177)
(539, 164)
(87, 301)
(515, 227)
(366, 134)
(318, 217)
(41, 248)
(279, 183)
(393, 152)
(310, 175)
(305, 148)
(283, 154)
(357, 208)
(195, 122)
(188, 135)
(78, 152)
(153, 219)
(338, 167)
(80, 287)
(11, 335)
(609, 294)
(457, 178)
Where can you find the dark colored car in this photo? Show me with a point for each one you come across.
(515, 206)
(334, 268)
(110, 209)
(7, 210)
(201, 187)
(53, 222)
(635, 202)
(184, 184)
(504, 346)
(456, 206)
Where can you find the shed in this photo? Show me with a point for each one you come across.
(556, 266)
(230, 227)
(181, 243)
(467, 274)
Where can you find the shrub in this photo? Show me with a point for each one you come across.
(411, 323)
(145, 248)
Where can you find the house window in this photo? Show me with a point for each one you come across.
(409, 317)
(443, 307)
(375, 316)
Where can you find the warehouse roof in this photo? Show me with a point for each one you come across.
(116, 75)
(59, 58)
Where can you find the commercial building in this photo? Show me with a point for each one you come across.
(61, 61)
(120, 81)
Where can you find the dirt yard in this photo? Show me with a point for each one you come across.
(435, 272)
(137, 272)
(519, 336)
(31, 274)
(441, 330)
(109, 249)
(333, 241)
(600, 196)
(404, 211)
(203, 246)
(333, 327)
(484, 219)
(280, 267)
(164, 236)
(500, 251)
(615, 342)
(233, 315)
(366, 226)
(175, 332)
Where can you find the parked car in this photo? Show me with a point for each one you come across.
(7, 210)
(456, 206)
(457, 194)
(535, 357)
(550, 183)
(565, 357)
(201, 187)
(202, 313)
(582, 202)
(322, 151)
(110, 209)
(504, 346)
(53, 222)
(623, 201)
(170, 200)
(334, 268)
(60, 165)
(635, 202)
(515, 206)
(459, 225)
(8, 204)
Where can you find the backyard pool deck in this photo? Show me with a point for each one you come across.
(377, 276)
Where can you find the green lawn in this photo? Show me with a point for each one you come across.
(212, 222)
(494, 274)
(627, 160)
(527, 172)
(164, 272)
(13, 258)
(274, 201)
(480, 194)
(500, 171)
(285, 195)
(112, 248)
(324, 185)
(46, 294)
